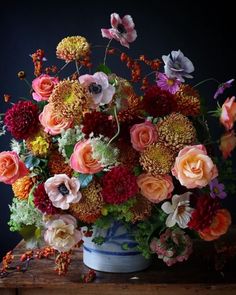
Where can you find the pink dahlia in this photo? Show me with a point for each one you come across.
(22, 119)
(42, 201)
(119, 185)
(122, 29)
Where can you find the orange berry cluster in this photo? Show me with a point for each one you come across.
(52, 69)
(44, 253)
(86, 62)
(6, 261)
(62, 262)
(38, 58)
(133, 65)
(88, 277)
(27, 255)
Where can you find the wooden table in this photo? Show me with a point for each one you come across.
(196, 276)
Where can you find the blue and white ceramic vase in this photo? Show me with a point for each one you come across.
(118, 253)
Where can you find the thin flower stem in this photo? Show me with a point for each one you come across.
(206, 80)
(212, 142)
(118, 127)
(2, 114)
(62, 68)
(77, 68)
(107, 47)
(28, 83)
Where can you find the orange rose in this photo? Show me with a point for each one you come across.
(227, 144)
(155, 188)
(193, 167)
(11, 167)
(228, 113)
(52, 123)
(82, 161)
(219, 226)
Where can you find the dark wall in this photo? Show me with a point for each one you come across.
(203, 30)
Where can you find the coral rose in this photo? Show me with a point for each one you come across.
(219, 226)
(227, 144)
(43, 87)
(142, 135)
(193, 167)
(82, 160)
(52, 122)
(11, 167)
(228, 113)
(61, 233)
(155, 188)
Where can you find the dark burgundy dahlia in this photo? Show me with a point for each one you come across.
(119, 185)
(157, 102)
(42, 201)
(22, 119)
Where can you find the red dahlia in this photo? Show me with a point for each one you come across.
(22, 119)
(98, 123)
(42, 201)
(157, 102)
(204, 212)
(119, 185)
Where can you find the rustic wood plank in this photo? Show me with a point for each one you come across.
(196, 275)
(8, 291)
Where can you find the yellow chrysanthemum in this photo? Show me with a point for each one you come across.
(73, 48)
(157, 159)
(22, 187)
(70, 99)
(38, 145)
(176, 131)
(89, 208)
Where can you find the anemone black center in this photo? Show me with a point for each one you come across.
(95, 88)
(63, 189)
(121, 29)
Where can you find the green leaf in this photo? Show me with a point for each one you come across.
(28, 232)
(85, 179)
(41, 104)
(99, 240)
(31, 161)
(69, 150)
(137, 170)
(103, 68)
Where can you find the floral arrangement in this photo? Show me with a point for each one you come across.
(92, 147)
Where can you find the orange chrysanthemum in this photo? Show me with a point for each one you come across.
(141, 210)
(57, 165)
(22, 187)
(88, 209)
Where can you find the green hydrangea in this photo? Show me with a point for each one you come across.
(103, 152)
(23, 213)
(68, 139)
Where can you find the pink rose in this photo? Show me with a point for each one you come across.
(61, 233)
(228, 113)
(142, 135)
(155, 188)
(82, 160)
(52, 122)
(193, 167)
(43, 87)
(11, 167)
(227, 143)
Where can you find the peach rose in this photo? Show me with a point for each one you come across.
(219, 226)
(155, 188)
(82, 161)
(227, 144)
(11, 167)
(228, 113)
(52, 122)
(142, 135)
(61, 233)
(43, 87)
(193, 167)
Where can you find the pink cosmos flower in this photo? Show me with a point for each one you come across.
(99, 87)
(43, 87)
(122, 30)
(228, 113)
(63, 191)
(168, 84)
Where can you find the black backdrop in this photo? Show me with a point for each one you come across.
(203, 30)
